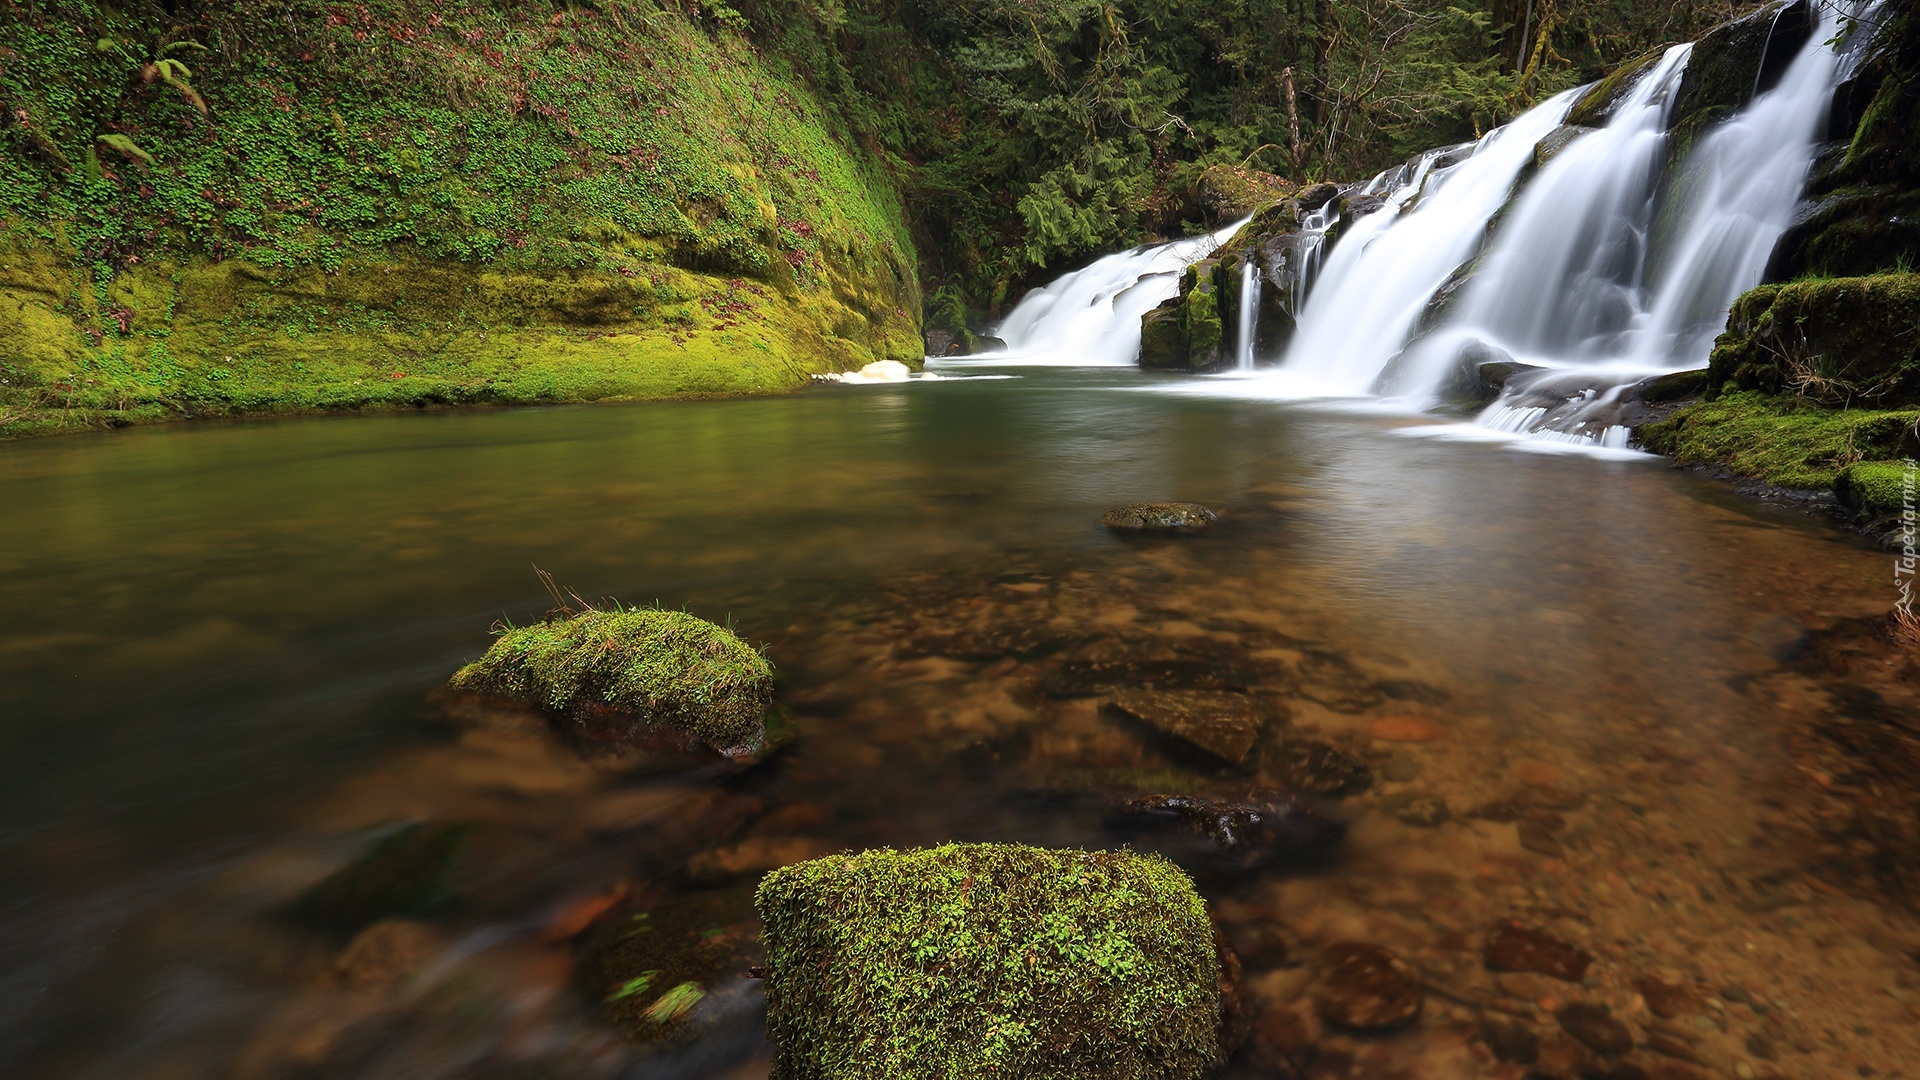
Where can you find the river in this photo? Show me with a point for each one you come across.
(222, 644)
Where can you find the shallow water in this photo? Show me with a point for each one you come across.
(222, 644)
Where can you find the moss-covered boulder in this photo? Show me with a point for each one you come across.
(1163, 337)
(1227, 193)
(974, 960)
(1835, 340)
(641, 675)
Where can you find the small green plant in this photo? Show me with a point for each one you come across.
(675, 1003)
(636, 985)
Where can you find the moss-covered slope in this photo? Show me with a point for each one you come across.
(241, 207)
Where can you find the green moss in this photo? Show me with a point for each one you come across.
(405, 205)
(1595, 107)
(997, 960)
(1852, 340)
(1875, 489)
(1786, 441)
(1202, 318)
(669, 670)
(1163, 338)
(403, 875)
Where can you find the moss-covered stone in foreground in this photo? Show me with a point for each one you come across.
(1786, 441)
(989, 960)
(665, 672)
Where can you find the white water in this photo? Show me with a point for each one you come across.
(1382, 272)
(1249, 313)
(1091, 317)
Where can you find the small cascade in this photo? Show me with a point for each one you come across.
(1313, 246)
(1091, 316)
(1249, 312)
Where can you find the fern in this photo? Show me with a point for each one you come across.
(126, 146)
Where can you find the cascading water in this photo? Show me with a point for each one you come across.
(1604, 269)
(1382, 272)
(1092, 316)
(1248, 314)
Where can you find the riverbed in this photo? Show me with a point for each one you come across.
(223, 648)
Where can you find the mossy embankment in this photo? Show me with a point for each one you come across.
(223, 210)
(1816, 382)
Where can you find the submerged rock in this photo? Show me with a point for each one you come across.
(1213, 836)
(1316, 767)
(1159, 517)
(405, 874)
(388, 951)
(642, 676)
(990, 959)
(1512, 946)
(1221, 724)
(1367, 988)
(655, 970)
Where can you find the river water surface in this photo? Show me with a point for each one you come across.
(221, 647)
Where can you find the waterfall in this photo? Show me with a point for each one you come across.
(1249, 313)
(1387, 265)
(1092, 316)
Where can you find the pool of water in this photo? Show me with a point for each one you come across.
(221, 648)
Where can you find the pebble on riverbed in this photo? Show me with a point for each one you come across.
(1512, 946)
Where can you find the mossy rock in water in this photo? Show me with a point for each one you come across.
(989, 960)
(1159, 517)
(1226, 193)
(404, 874)
(640, 675)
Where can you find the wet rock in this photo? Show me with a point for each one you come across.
(1314, 767)
(388, 951)
(1555, 141)
(1157, 517)
(1209, 836)
(1668, 1000)
(405, 874)
(1219, 724)
(1317, 196)
(1512, 946)
(1595, 1027)
(1367, 988)
(1510, 1040)
(1417, 808)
